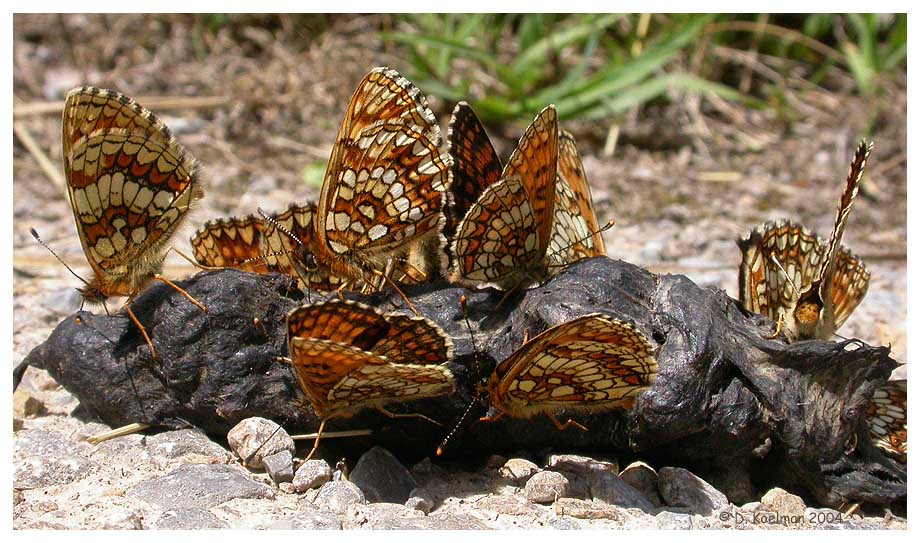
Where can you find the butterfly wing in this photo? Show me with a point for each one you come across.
(886, 418)
(503, 238)
(591, 363)
(130, 185)
(576, 233)
(475, 164)
(849, 285)
(232, 242)
(386, 180)
(769, 250)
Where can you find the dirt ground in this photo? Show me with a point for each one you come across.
(685, 180)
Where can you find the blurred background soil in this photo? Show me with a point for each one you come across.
(744, 121)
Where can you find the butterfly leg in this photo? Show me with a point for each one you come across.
(778, 330)
(319, 434)
(188, 296)
(402, 295)
(192, 261)
(407, 416)
(568, 423)
(492, 418)
(153, 352)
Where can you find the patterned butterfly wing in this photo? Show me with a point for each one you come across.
(849, 285)
(386, 180)
(503, 238)
(576, 234)
(232, 242)
(414, 340)
(768, 251)
(592, 363)
(377, 384)
(290, 246)
(857, 167)
(130, 185)
(475, 165)
(341, 352)
(886, 418)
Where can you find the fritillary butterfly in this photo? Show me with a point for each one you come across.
(349, 356)
(593, 363)
(475, 164)
(230, 243)
(886, 418)
(576, 234)
(385, 184)
(130, 185)
(503, 237)
(809, 287)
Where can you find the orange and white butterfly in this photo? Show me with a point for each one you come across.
(349, 356)
(809, 287)
(886, 418)
(504, 233)
(590, 364)
(385, 184)
(130, 186)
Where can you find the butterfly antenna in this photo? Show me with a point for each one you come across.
(463, 417)
(478, 371)
(606, 227)
(279, 226)
(61, 260)
(782, 270)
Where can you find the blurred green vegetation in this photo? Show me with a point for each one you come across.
(600, 65)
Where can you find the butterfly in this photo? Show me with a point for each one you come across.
(385, 183)
(503, 237)
(886, 418)
(130, 186)
(809, 287)
(479, 195)
(349, 356)
(231, 242)
(589, 364)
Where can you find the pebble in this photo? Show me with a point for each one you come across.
(336, 496)
(584, 509)
(607, 487)
(546, 487)
(579, 464)
(679, 487)
(192, 518)
(27, 406)
(518, 470)
(382, 477)
(255, 438)
(187, 442)
(580, 471)
(280, 467)
(199, 485)
(311, 474)
(643, 478)
(42, 458)
(421, 499)
(784, 503)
